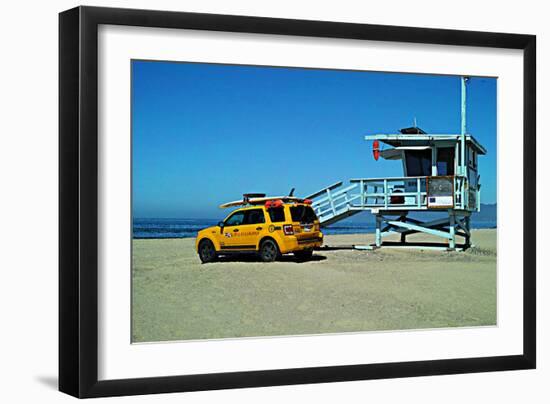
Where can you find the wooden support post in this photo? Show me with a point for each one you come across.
(386, 194)
(452, 237)
(378, 230)
(418, 193)
(468, 233)
(403, 218)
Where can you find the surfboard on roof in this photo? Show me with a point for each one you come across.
(258, 199)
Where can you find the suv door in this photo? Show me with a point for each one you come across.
(242, 234)
(254, 223)
(232, 226)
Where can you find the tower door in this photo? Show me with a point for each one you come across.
(445, 161)
(418, 163)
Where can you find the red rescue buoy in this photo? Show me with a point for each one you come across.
(273, 203)
(376, 149)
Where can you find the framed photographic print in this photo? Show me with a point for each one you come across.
(250, 201)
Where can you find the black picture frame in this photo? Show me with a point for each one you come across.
(78, 201)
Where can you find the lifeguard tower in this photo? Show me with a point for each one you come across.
(440, 175)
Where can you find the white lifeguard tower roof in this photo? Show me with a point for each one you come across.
(423, 139)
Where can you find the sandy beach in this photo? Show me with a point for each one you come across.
(175, 297)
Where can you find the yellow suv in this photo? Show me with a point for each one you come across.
(267, 227)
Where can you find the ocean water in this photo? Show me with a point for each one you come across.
(170, 228)
(182, 228)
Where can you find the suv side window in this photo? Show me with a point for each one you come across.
(235, 219)
(254, 216)
(277, 214)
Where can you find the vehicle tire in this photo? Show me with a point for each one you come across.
(207, 252)
(304, 255)
(269, 251)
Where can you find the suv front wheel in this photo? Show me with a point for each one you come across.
(207, 252)
(269, 251)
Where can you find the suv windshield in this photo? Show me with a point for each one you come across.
(302, 214)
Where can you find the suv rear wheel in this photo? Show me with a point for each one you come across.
(207, 252)
(269, 251)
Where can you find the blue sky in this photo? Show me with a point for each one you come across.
(203, 134)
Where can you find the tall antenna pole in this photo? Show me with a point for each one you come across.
(463, 106)
(463, 81)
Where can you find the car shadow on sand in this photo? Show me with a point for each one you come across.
(254, 258)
